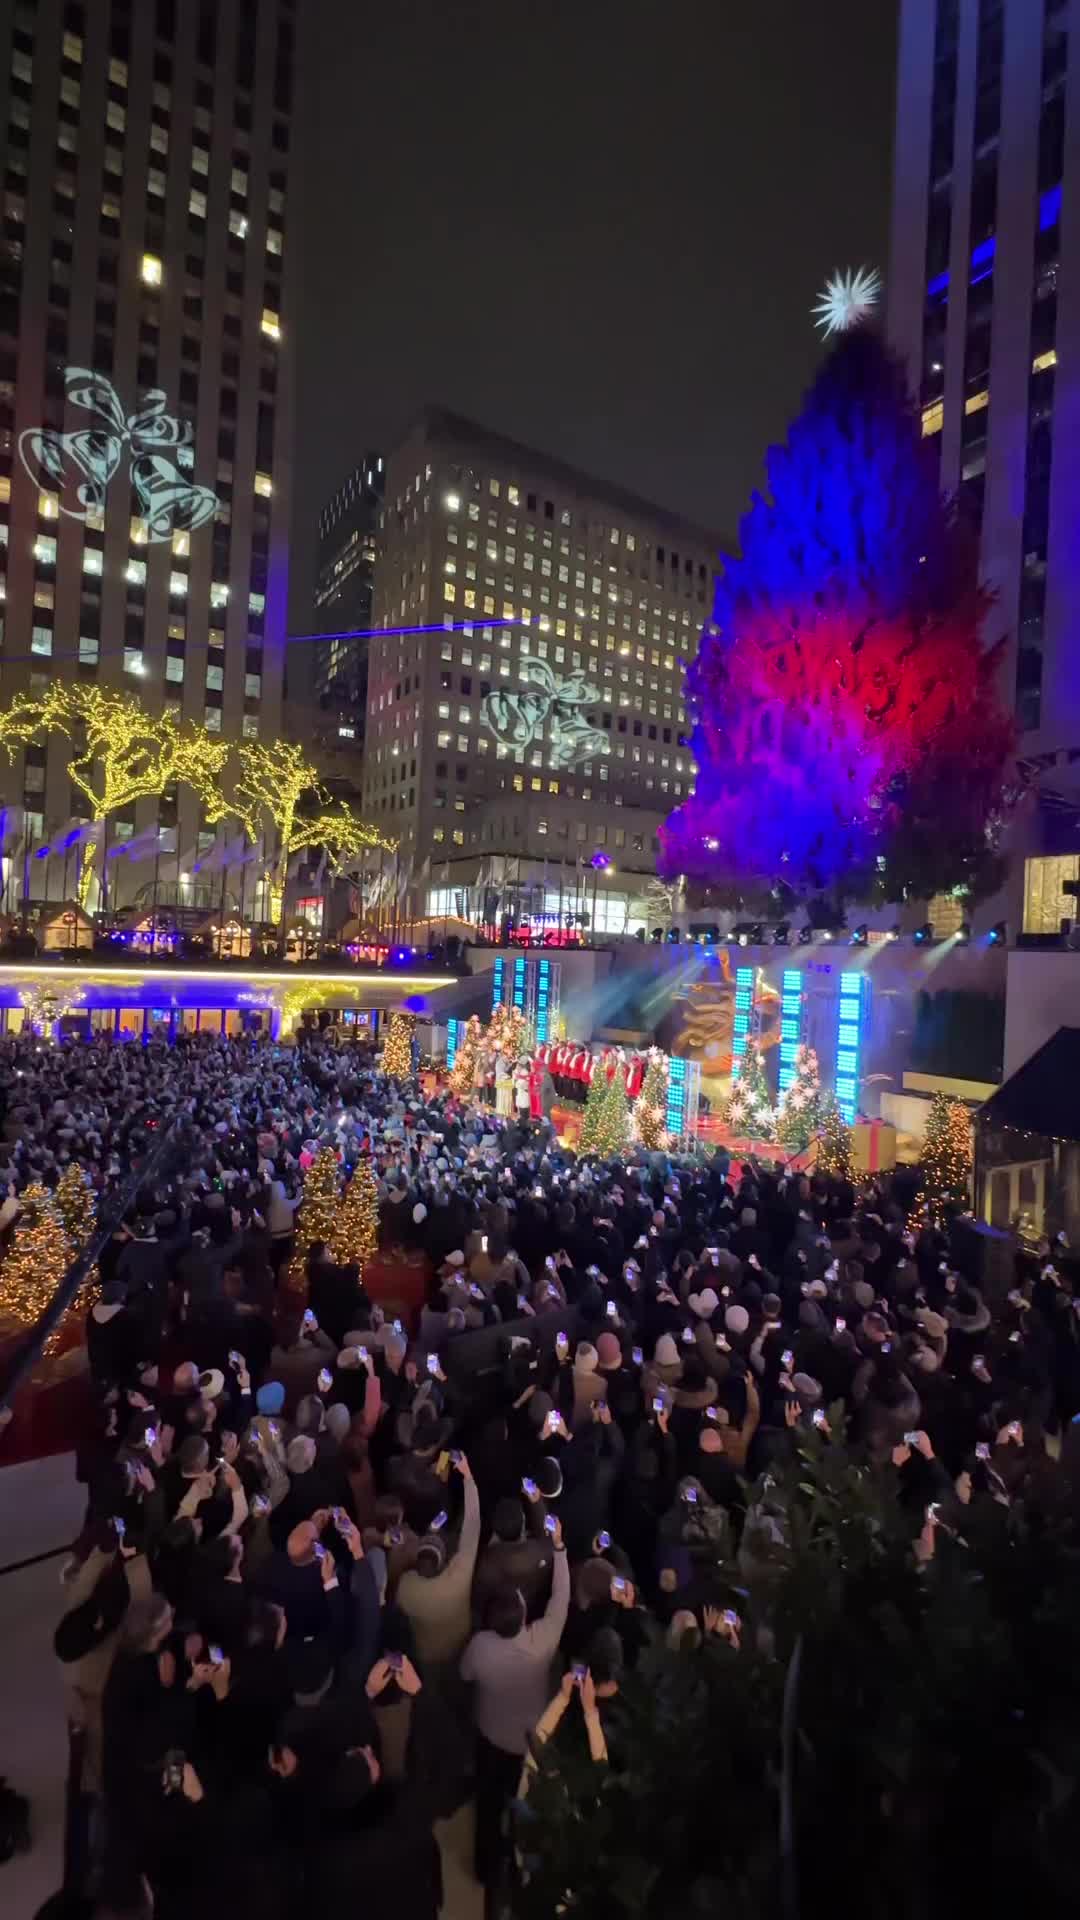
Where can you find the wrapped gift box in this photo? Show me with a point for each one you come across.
(873, 1146)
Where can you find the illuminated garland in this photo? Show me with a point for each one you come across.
(45, 1004)
(508, 1032)
(650, 1105)
(35, 1263)
(750, 1108)
(834, 1140)
(464, 1067)
(800, 1104)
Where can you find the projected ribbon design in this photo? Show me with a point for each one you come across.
(518, 720)
(83, 463)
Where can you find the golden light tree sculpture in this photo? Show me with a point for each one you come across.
(274, 778)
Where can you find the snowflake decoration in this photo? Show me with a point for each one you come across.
(848, 299)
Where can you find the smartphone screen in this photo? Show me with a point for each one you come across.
(433, 1363)
(395, 1662)
(636, 1356)
(550, 1523)
(439, 1521)
(530, 1488)
(483, 1242)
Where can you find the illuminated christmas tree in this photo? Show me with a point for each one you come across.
(843, 686)
(799, 1113)
(750, 1110)
(508, 1032)
(397, 1053)
(36, 1261)
(317, 1218)
(834, 1139)
(589, 1137)
(613, 1118)
(464, 1067)
(650, 1105)
(356, 1229)
(76, 1204)
(946, 1156)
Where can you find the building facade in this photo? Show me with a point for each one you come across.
(526, 731)
(344, 600)
(985, 305)
(145, 384)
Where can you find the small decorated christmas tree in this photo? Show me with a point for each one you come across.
(356, 1229)
(77, 1206)
(36, 1261)
(318, 1215)
(397, 1053)
(946, 1156)
(613, 1119)
(589, 1137)
(800, 1103)
(464, 1067)
(650, 1105)
(834, 1139)
(750, 1110)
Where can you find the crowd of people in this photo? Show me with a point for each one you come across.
(340, 1572)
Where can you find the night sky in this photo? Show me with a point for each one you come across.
(594, 225)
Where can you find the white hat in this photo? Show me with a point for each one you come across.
(419, 1212)
(704, 1304)
(455, 1259)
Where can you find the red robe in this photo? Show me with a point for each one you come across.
(536, 1081)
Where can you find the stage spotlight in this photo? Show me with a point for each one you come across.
(744, 939)
(998, 934)
(657, 935)
(806, 934)
(757, 933)
(963, 936)
(674, 935)
(893, 933)
(861, 936)
(923, 934)
(780, 934)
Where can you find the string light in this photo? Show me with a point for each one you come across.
(35, 1263)
(946, 1156)
(508, 1031)
(318, 1215)
(750, 1110)
(834, 1140)
(800, 1104)
(461, 1076)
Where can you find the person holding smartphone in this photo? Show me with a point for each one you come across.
(435, 1593)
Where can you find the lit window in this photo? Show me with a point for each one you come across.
(91, 560)
(273, 240)
(271, 324)
(541, 826)
(174, 668)
(5, 494)
(219, 593)
(197, 203)
(449, 590)
(41, 639)
(181, 544)
(118, 73)
(458, 837)
(253, 686)
(212, 719)
(135, 573)
(977, 401)
(133, 661)
(238, 223)
(250, 727)
(933, 418)
(215, 678)
(200, 160)
(256, 603)
(159, 139)
(1044, 360)
(178, 584)
(48, 503)
(264, 486)
(89, 649)
(137, 531)
(45, 550)
(73, 47)
(442, 739)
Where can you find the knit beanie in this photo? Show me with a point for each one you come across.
(736, 1319)
(667, 1353)
(608, 1350)
(586, 1358)
(271, 1398)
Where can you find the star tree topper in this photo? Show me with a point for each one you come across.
(849, 298)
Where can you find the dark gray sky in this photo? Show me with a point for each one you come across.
(595, 225)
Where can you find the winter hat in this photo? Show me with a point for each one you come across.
(932, 1323)
(538, 1407)
(667, 1353)
(211, 1383)
(419, 1212)
(586, 1358)
(817, 1290)
(771, 1307)
(704, 1304)
(455, 1259)
(338, 1419)
(811, 1317)
(608, 1351)
(736, 1319)
(875, 1327)
(863, 1294)
(270, 1398)
(807, 1389)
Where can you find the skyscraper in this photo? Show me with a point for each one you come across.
(145, 381)
(344, 586)
(535, 725)
(985, 301)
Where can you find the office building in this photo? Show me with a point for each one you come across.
(344, 585)
(526, 743)
(985, 305)
(145, 383)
